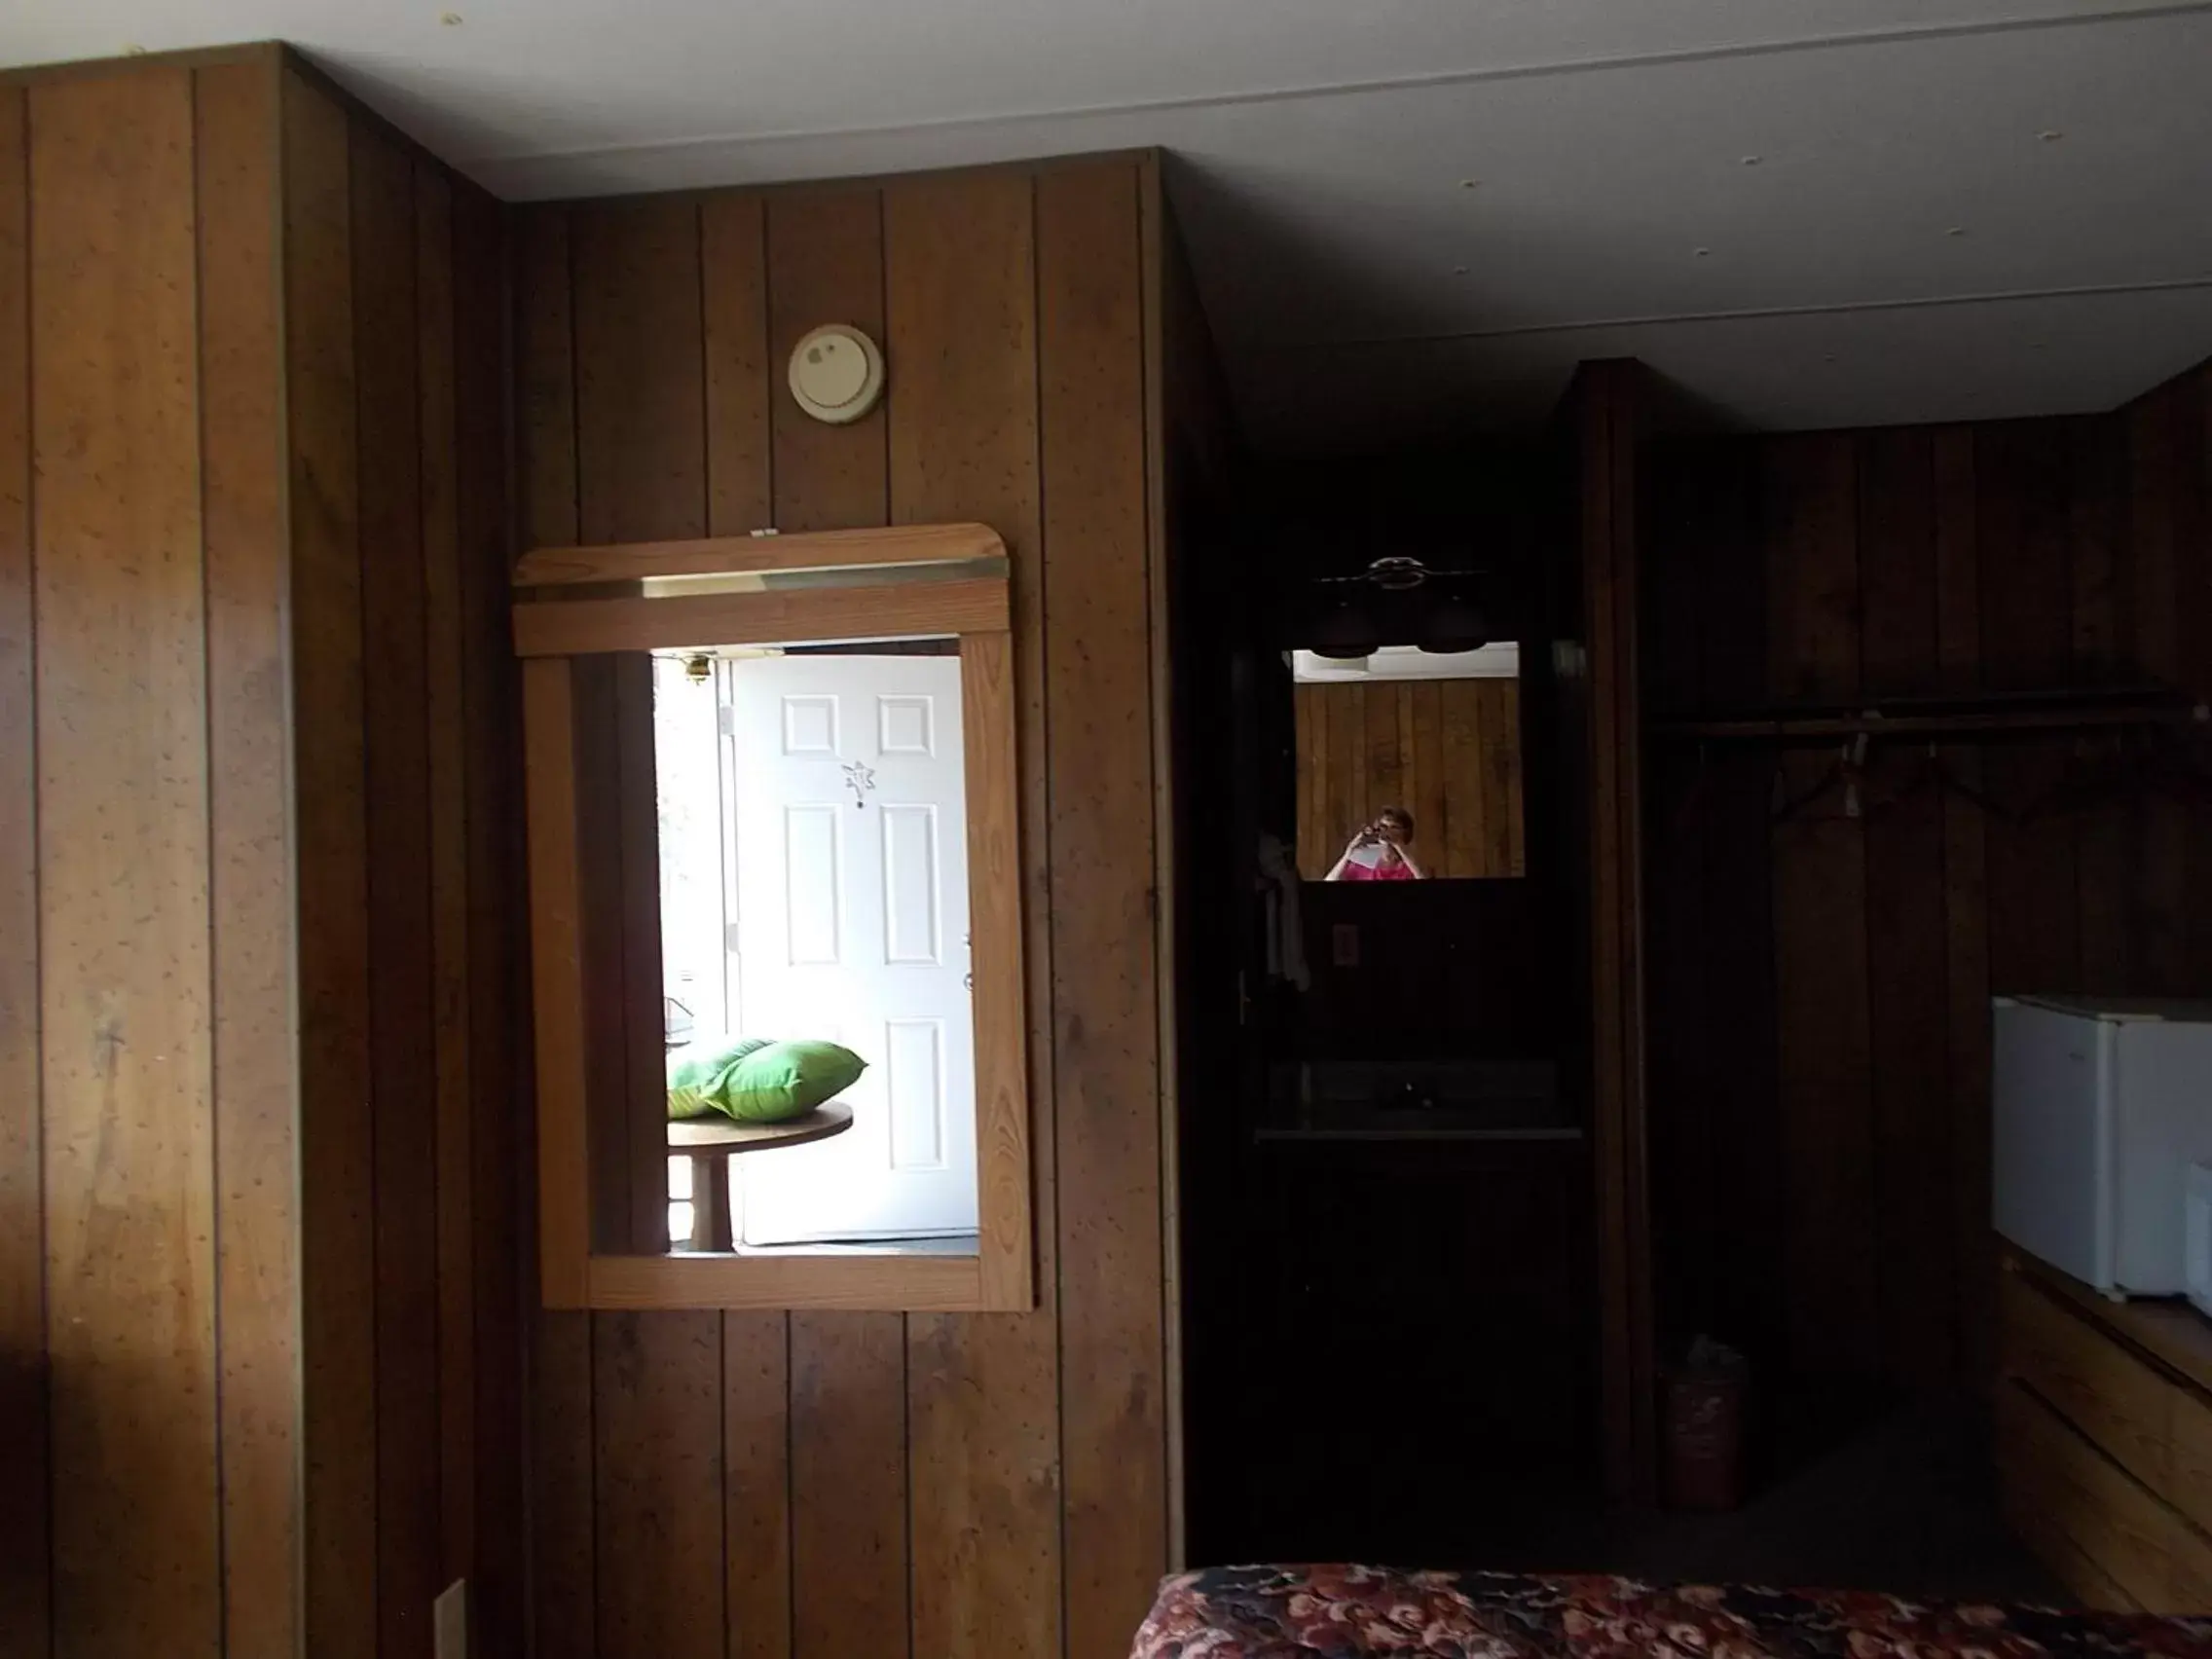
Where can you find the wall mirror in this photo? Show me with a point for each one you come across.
(775, 898)
(1408, 765)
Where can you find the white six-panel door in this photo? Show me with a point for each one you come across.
(846, 803)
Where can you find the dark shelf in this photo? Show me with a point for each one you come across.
(1995, 713)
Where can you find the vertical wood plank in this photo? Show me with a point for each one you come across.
(25, 1624)
(444, 715)
(2192, 526)
(1958, 562)
(734, 283)
(545, 380)
(1896, 552)
(1383, 767)
(1811, 520)
(2105, 832)
(1606, 434)
(849, 1484)
(757, 1494)
(1113, 1386)
(657, 1389)
(1907, 1029)
(403, 1031)
(1967, 961)
(1465, 802)
(826, 265)
(1751, 1302)
(1966, 909)
(249, 806)
(757, 1473)
(1504, 852)
(1348, 805)
(642, 471)
(847, 1371)
(501, 1254)
(640, 372)
(2095, 465)
(1820, 921)
(1311, 740)
(124, 973)
(2026, 590)
(982, 1394)
(2155, 469)
(641, 468)
(1424, 704)
(337, 1241)
(564, 1589)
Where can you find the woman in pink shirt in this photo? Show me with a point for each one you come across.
(1382, 851)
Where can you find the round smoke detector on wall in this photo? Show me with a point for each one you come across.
(836, 373)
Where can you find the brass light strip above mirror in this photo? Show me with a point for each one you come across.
(876, 610)
(742, 555)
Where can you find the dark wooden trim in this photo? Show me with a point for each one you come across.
(873, 611)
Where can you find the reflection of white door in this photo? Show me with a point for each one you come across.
(852, 926)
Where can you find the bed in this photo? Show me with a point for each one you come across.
(1356, 1612)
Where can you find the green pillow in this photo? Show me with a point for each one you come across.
(758, 1082)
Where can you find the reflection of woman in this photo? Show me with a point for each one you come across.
(1383, 851)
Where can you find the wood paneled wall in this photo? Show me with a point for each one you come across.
(768, 1485)
(408, 903)
(1447, 751)
(257, 1281)
(1820, 981)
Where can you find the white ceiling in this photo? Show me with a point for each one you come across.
(1908, 243)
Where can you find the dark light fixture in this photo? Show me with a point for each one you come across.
(1453, 625)
(1347, 631)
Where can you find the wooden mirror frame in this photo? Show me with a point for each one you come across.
(970, 601)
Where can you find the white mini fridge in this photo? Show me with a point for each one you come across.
(2098, 1109)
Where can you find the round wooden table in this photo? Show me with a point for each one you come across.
(710, 1142)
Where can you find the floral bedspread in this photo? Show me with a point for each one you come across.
(1364, 1612)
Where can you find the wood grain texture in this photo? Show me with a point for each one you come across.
(2023, 555)
(1605, 413)
(225, 1469)
(337, 1243)
(26, 1613)
(756, 1347)
(1099, 666)
(825, 252)
(403, 1070)
(556, 909)
(1463, 738)
(658, 1387)
(1007, 1271)
(125, 963)
(563, 1451)
(757, 1483)
(1813, 636)
(640, 372)
(739, 375)
(497, 1256)
(250, 739)
(2114, 1398)
(444, 715)
(875, 611)
(850, 1577)
(909, 1470)
(982, 1395)
(846, 1432)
